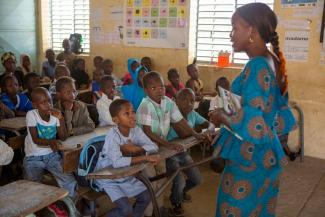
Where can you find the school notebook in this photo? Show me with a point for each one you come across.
(231, 101)
(231, 105)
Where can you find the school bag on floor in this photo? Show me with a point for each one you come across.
(88, 160)
(62, 208)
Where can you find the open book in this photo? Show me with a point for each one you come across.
(231, 104)
(231, 101)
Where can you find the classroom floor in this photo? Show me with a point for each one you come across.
(302, 191)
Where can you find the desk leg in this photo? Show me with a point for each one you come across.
(147, 183)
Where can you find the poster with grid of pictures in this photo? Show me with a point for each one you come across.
(157, 23)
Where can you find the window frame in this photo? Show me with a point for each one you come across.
(236, 59)
(56, 41)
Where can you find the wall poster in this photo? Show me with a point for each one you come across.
(298, 3)
(156, 23)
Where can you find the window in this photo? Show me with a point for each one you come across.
(214, 27)
(67, 17)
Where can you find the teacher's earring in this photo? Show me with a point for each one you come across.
(251, 40)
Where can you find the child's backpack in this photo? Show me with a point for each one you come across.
(88, 160)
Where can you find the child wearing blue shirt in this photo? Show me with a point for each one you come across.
(155, 115)
(185, 100)
(17, 102)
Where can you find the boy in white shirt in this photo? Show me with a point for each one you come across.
(107, 87)
(44, 124)
(217, 102)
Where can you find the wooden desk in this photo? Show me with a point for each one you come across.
(13, 124)
(23, 197)
(114, 173)
(73, 141)
(73, 146)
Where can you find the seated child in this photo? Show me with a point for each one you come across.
(134, 92)
(175, 84)
(125, 139)
(98, 62)
(217, 165)
(146, 62)
(108, 70)
(61, 70)
(48, 66)
(66, 56)
(8, 61)
(156, 112)
(44, 126)
(31, 81)
(25, 64)
(75, 112)
(80, 75)
(185, 101)
(17, 102)
(217, 102)
(155, 115)
(107, 88)
(133, 64)
(194, 82)
(97, 75)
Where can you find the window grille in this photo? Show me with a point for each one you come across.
(214, 27)
(68, 17)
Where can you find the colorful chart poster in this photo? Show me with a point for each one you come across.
(156, 23)
(298, 3)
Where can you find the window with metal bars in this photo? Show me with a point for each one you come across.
(214, 27)
(68, 17)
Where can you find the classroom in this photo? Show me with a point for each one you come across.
(162, 108)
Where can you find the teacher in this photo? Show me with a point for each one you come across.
(250, 182)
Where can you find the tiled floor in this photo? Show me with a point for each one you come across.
(302, 191)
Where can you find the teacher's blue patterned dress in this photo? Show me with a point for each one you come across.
(250, 182)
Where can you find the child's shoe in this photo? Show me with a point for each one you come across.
(187, 198)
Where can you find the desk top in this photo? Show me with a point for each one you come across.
(23, 197)
(114, 173)
(82, 91)
(73, 141)
(16, 123)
